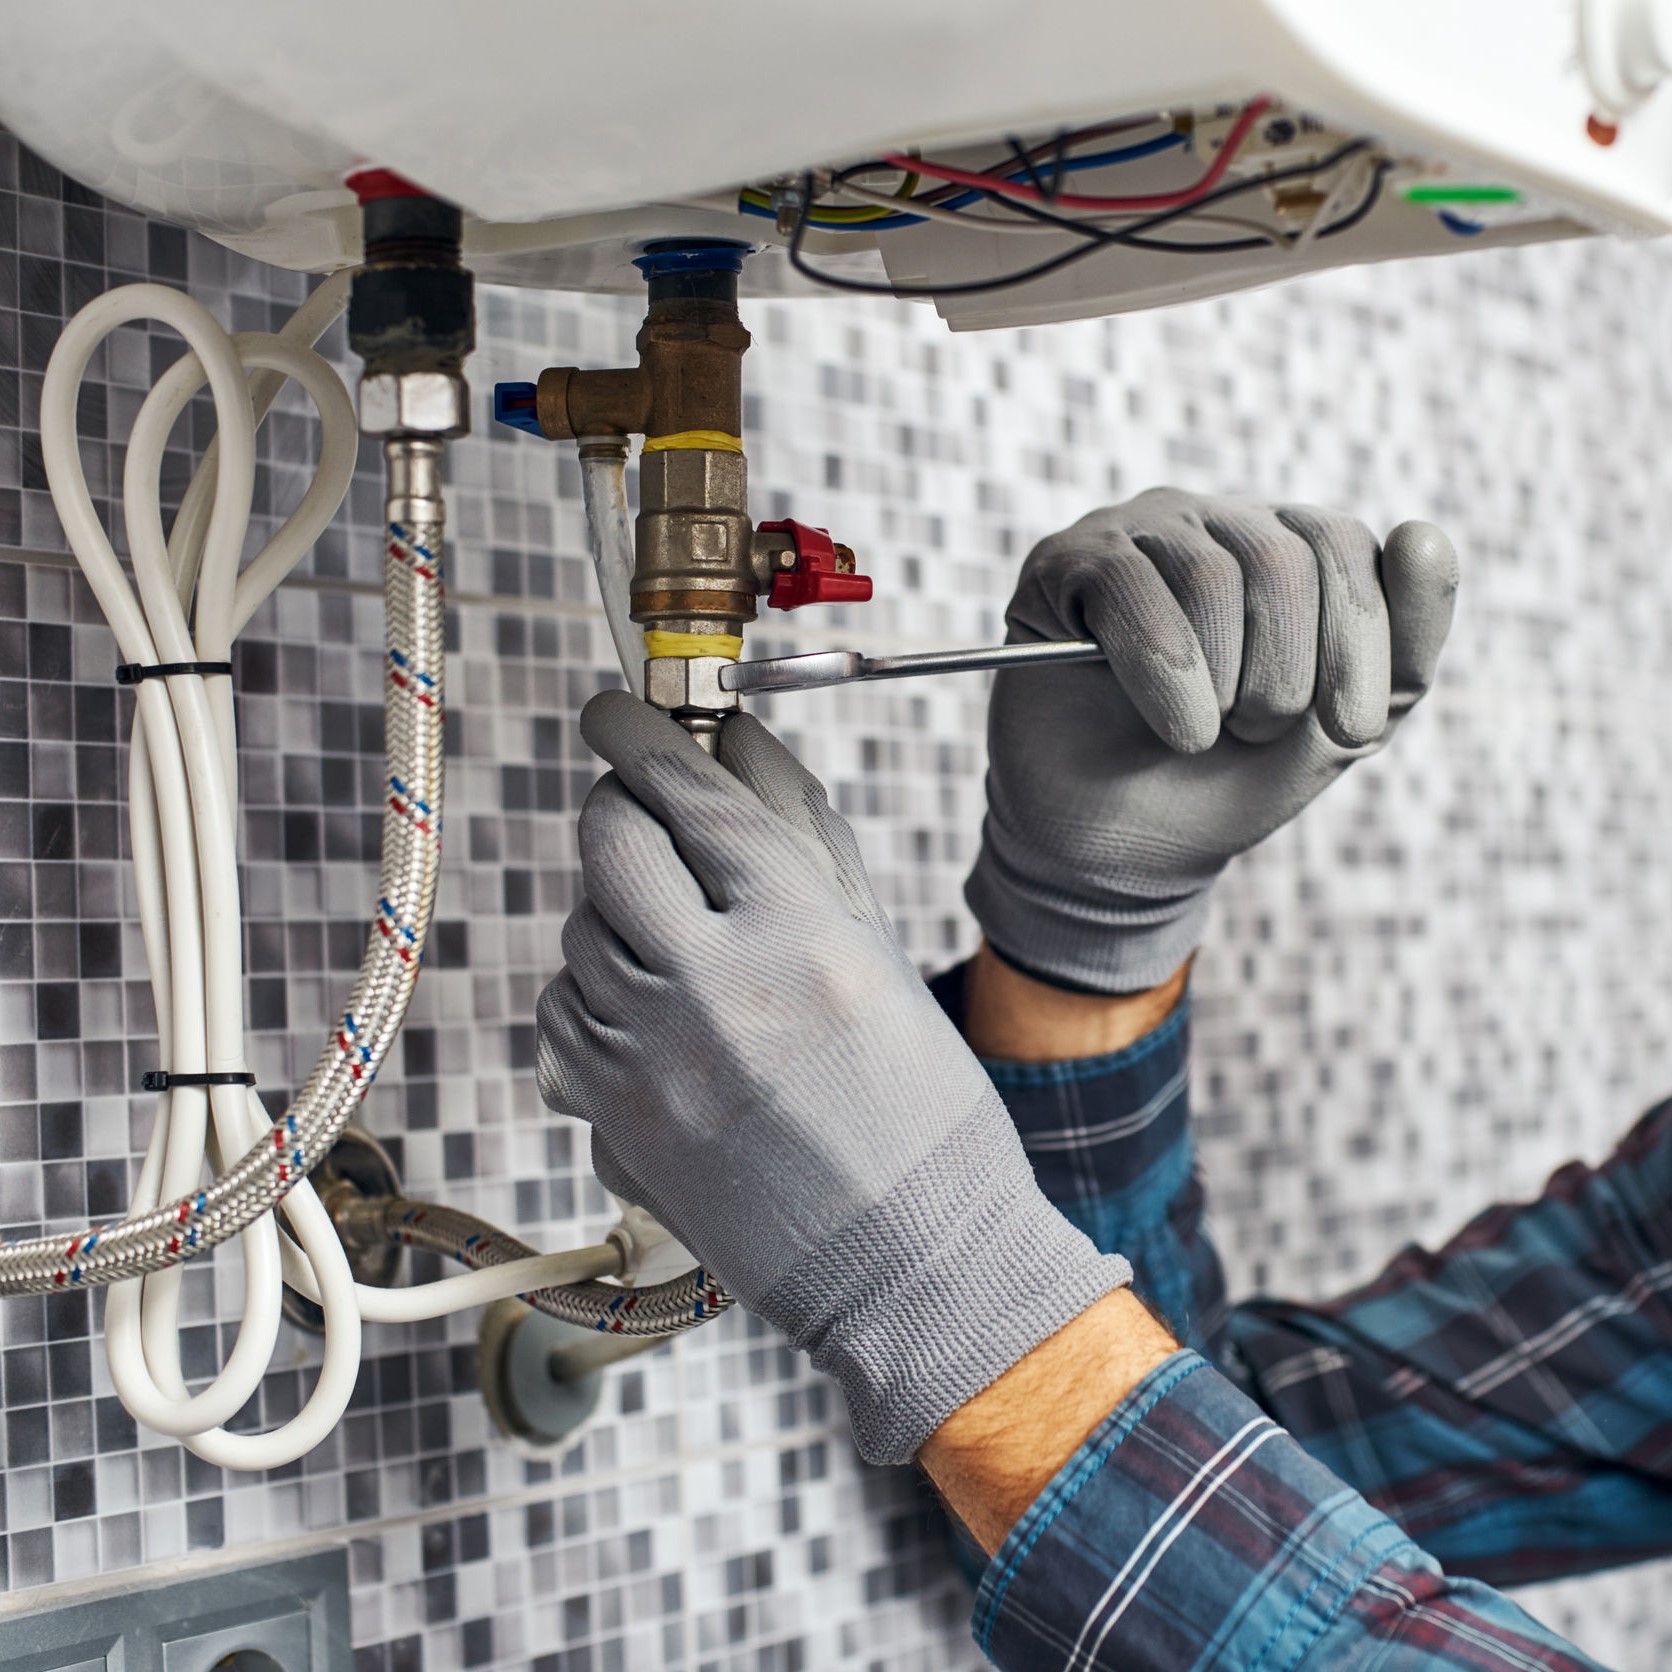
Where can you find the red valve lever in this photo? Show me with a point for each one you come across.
(819, 575)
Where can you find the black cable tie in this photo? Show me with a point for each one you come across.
(133, 673)
(160, 1079)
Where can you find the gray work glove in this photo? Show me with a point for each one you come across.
(1254, 652)
(766, 1073)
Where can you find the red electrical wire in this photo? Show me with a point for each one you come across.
(1234, 142)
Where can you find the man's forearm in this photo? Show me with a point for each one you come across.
(1010, 1017)
(991, 1458)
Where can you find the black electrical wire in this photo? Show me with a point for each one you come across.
(1093, 238)
(1360, 212)
(1047, 189)
(1056, 148)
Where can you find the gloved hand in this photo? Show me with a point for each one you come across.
(1254, 653)
(766, 1073)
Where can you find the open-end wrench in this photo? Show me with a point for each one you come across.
(843, 667)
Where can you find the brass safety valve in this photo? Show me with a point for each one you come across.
(700, 564)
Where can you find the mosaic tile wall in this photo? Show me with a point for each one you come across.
(1451, 976)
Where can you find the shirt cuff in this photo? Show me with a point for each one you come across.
(1188, 1530)
(1108, 1136)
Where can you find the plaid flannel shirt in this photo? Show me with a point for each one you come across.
(1502, 1406)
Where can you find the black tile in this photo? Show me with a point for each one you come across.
(520, 1046)
(516, 788)
(49, 650)
(57, 1010)
(269, 1006)
(95, 772)
(539, 1525)
(70, 1366)
(418, 1051)
(470, 1472)
(28, 1436)
(435, 1482)
(363, 1494)
(36, 177)
(61, 1131)
(17, 951)
(256, 666)
(100, 950)
(25, 1376)
(473, 1545)
(422, 1103)
(72, 1491)
(14, 709)
(202, 1476)
(518, 890)
(40, 286)
(302, 845)
(165, 252)
(67, 1316)
(448, 947)
(477, 1642)
(438, 1546)
(114, 1428)
(14, 590)
(52, 830)
(205, 1524)
(95, 711)
(441, 1598)
(84, 235)
(107, 1188)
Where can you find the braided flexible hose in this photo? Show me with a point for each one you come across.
(668, 1308)
(262, 1177)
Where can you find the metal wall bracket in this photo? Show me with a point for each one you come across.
(536, 1396)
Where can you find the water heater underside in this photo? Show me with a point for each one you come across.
(573, 139)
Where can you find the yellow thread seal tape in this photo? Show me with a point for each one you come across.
(709, 441)
(658, 644)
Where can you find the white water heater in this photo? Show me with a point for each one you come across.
(572, 136)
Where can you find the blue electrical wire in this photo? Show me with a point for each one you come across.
(1463, 228)
(884, 223)
(1069, 165)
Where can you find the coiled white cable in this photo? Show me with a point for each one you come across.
(191, 600)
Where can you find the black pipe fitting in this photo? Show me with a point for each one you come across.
(412, 305)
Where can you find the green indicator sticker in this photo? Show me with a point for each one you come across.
(1444, 192)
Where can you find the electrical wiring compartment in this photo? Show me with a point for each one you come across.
(1130, 212)
(1192, 204)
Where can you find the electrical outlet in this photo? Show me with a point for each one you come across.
(282, 1617)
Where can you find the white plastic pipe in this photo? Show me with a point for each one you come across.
(609, 526)
(188, 599)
